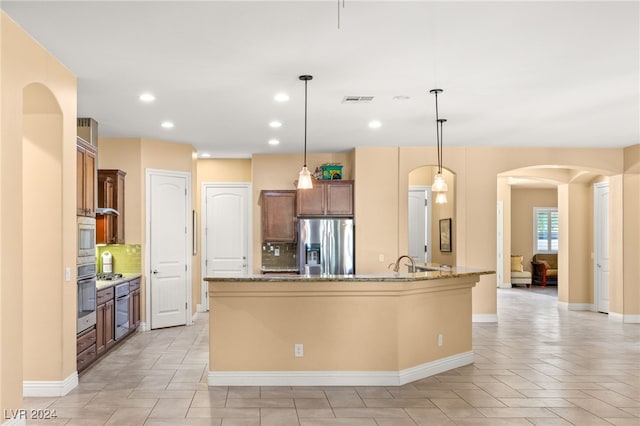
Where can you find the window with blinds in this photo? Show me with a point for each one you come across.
(545, 230)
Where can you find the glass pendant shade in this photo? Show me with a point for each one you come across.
(441, 198)
(304, 179)
(439, 184)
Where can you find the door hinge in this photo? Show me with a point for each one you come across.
(185, 267)
(185, 306)
(426, 203)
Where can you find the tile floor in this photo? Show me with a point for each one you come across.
(538, 366)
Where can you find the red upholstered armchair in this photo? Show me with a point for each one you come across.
(545, 269)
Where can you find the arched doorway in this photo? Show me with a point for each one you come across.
(424, 223)
(569, 189)
(42, 142)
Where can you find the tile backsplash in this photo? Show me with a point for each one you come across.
(126, 257)
(279, 256)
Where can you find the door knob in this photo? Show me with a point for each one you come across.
(155, 271)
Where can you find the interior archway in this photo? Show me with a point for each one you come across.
(42, 142)
(572, 188)
(421, 179)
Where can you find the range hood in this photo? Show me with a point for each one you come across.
(102, 210)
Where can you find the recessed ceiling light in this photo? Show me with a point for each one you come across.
(205, 155)
(375, 124)
(147, 97)
(281, 97)
(275, 124)
(401, 98)
(274, 142)
(167, 125)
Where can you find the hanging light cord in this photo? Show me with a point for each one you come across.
(305, 123)
(440, 121)
(438, 140)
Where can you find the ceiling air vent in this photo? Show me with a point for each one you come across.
(356, 99)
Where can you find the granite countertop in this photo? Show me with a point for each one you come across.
(451, 272)
(102, 284)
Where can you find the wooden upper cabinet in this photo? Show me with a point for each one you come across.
(110, 228)
(326, 198)
(278, 216)
(85, 179)
(339, 198)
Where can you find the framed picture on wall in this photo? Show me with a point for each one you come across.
(445, 235)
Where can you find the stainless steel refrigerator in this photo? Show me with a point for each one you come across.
(326, 246)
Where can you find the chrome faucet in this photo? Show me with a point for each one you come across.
(396, 266)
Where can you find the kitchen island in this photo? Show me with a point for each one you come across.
(375, 330)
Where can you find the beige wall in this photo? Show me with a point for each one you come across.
(631, 235)
(523, 202)
(37, 166)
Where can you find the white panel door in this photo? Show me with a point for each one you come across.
(601, 247)
(226, 236)
(419, 224)
(169, 245)
(417, 244)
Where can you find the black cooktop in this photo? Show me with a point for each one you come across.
(108, 277)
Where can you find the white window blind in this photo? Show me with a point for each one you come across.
(545, 230)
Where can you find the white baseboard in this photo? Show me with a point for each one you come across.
(505, 285)
(576, 306)
(484, 318)
(50, 388)
(143, 326)
(194, 316)
(631, 319)
(200, 308)
(338, 378)
(627, 319)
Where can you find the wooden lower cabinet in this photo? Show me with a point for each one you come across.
(134, 304)
(86, 349)
(97, 341)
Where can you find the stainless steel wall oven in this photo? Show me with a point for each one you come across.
(86, 265)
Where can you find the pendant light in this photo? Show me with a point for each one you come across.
(304, 179)
(439, 183)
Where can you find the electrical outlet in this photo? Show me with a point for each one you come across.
(439, 339)
(298, 350)
(381, 258)
(67, 274)
(276, 252)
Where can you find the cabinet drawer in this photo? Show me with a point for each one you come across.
(104, 295)
(86, 357)
(134, 285)
(85, 341)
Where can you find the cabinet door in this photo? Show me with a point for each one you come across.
(278, 216)
(134, 312)
(312, 202)
(109, 324)
(340, 198)
(119, 205)
(90, 183)
(100, 330)
(80, 181)
(111, 195)
(105, 223)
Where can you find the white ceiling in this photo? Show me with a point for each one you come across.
(545, 74)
